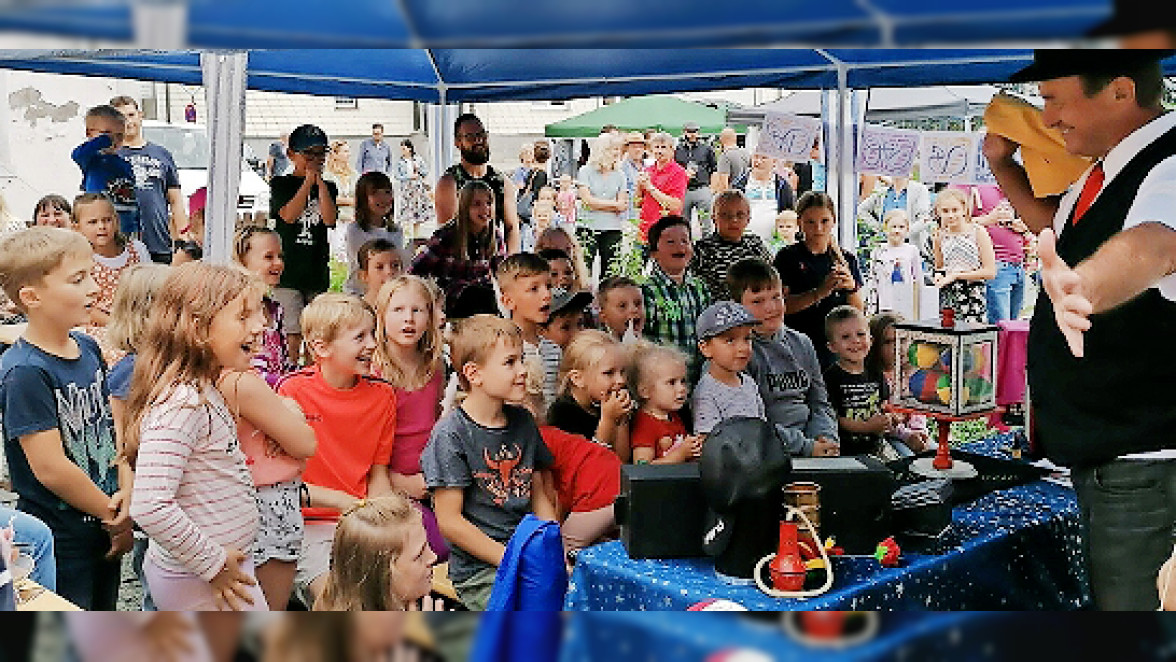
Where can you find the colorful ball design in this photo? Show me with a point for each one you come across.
(923, 385)
(979, 389)
(922, 355)
(981, 358)
(945, 361)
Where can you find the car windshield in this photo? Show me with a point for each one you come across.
(188, 145)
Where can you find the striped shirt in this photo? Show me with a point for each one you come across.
(193, 494)
(548, 355)
(713, 255)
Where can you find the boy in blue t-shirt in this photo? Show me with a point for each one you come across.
(103, 170)
(58, 431)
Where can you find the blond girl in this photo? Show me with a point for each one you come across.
(593, 401)
(964, 258)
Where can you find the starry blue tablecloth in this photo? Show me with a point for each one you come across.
(1017, 548)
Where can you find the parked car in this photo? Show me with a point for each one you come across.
(189, 146)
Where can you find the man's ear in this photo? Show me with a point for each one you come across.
(1123, 88)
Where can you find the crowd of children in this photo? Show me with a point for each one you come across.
(272, 440)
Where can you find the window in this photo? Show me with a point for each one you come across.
(346, 103)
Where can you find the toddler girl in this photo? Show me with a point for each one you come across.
(784, 234)
(381, 558)
(657, 375)
(259, 250)
(898, 268)
(964, 259)
(911, 428)
(409, 356)
(193, 495)
(593, 401)
(565, 201)
(95, 218)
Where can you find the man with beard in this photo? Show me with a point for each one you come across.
(472, 141)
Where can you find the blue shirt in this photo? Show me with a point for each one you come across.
(890, 200)
(155, 173)
(374, 156)
(110, 174)
(39, 392)
(118, 382)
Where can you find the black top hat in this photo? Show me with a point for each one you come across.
(1051, 63)
(1132, 16)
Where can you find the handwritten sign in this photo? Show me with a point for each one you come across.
(983, 170)
(948, 156)
(886, 151)
(788, 137)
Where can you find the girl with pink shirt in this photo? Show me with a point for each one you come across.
(193, 494)
(409, 356)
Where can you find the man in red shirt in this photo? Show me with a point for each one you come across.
(662, 185)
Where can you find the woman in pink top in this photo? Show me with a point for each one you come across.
(1006, 292)
(408, 356)
(193, 495)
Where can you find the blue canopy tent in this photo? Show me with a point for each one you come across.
(612, 23)
(447, 76)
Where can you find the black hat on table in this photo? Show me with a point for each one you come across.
(1134, 16)
(1051, 63)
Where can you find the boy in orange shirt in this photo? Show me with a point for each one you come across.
(354, 421)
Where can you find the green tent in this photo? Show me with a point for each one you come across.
(662, 112)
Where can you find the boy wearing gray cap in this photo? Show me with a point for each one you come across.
(725, 390)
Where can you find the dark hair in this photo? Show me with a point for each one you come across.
(370, 248)
(367, 183)
(752, 274)
(377, 125)
(553, 254)
(665, 223)
(124, 100)
(613, 283)
(107, 112)
(192, 248)
(408, 143)
(52, 200)
(462, 119)
(542, 151)
(839, 315)
(878, 325)
(812, 199)
(1148, 79)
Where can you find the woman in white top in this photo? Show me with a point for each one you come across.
(338, 169)
(605, 197)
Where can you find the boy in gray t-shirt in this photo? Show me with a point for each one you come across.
(485, 460)
(725, 391)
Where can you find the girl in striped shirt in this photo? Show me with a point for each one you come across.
(193, 494)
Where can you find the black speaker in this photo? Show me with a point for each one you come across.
(855, 498)
(661, 511)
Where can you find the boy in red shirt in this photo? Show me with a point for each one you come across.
(354, 421)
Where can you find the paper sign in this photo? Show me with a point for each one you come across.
(788, 137)
(948, 156)
(983, 170)
(886, 151)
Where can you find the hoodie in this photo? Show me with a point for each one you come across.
(786, 369)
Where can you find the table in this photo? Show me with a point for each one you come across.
(1017, 548)
(43, 599)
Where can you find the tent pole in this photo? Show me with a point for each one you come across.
(224, 83)
(846, 181)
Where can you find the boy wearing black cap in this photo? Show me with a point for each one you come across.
(303, 206)
(1102, 394)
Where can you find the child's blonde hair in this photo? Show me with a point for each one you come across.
(429, 347)
(243, 241)
(475, 337)
(520, 265)
(788, 215)
(643, 357)
(331, 313)
(547, 239)
(586, 349)
(175, 347)
(893, 214)
(958, 195)
(75, 215)
(28, 256)
(368, 540)
(133, 301)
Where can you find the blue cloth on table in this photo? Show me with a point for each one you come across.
(7, 593)
(1010, 549)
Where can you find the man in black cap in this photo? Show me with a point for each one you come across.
(1139, 24)
(1102, 344)
(700, 162)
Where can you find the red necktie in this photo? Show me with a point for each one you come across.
(1090, 190)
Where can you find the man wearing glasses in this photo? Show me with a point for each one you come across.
(698, 158)
(302, 205)
(473, 143)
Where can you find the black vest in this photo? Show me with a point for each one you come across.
(492, 179)
(1120, 398)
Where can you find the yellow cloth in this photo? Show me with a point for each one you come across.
(1050, 167)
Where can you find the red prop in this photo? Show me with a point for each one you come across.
(887, 553)
(787, 569)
